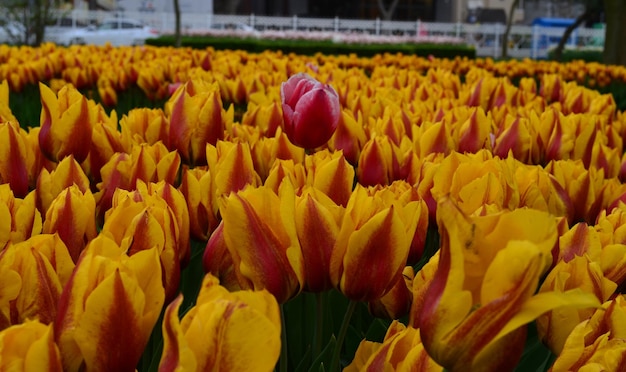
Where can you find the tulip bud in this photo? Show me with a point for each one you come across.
(397, 302)
(372, 234)
(260, 234)
(72, 215)
(13, 158)
(66, 124)
(146, 125)
(310, 111)
(196, 118)
(50, 184)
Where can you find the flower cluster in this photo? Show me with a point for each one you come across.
(332, 179)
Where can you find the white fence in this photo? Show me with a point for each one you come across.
(524, 41)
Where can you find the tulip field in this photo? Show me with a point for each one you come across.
(172, 209)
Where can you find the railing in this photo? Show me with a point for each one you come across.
(524, 41)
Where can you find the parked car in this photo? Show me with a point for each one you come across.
(62, 26)
(117, 31)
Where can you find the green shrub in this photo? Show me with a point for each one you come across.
(311, 47)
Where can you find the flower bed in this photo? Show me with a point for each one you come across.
(385, 212)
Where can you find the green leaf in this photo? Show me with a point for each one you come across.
(325, 357)
(536, 357)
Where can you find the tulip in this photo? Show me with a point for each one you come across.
(478, 302)
(50, 184)
(146, 163)
(401, 350)
(267, 117)
(331, 174)
(66, 124)
(231, 167)
(583, 187)
(218, 261)
(20, 218)
(106, 141)
(146, 125)
(513, 136)
(613, 265)
(433, 138)
(286, 170)
(541, 190)
(477, 180)
(5, 110)
(72, 215)
(580, 240)
(29, 347)
(108, 308)
(318, 220)
(196, 118)
(141, 220)
(376, 235)
(397, 302)
(379, 163)
(152, 82)
(244, 327)
(198, 190)
(311, 111)
(13, 155)
(43, 265)
(598, 342)
(420, 284)
(473, 134)
(107, 93)
(350, 136)
(582, 274)
(267, 150)
(260, 234)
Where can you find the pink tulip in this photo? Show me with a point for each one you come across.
(310, 111)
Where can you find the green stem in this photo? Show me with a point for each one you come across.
(283, 341)
(319, 324)
(342, 335)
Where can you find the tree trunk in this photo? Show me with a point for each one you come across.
(614, 51)
(507, 30)
(558, 52)
(387, 13)
(177, 35)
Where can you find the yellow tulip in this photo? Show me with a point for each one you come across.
(377, 234)
(29, 347)
(244, 327)
(43, 266)
(14, 152)
(66, 124)
(580, 274)
(482, 293)
(72, 215)
(108, 308)
(597, 343)
(196, 118)
(401, 350)
(260, 234)
(50, 184)
(20, 217)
